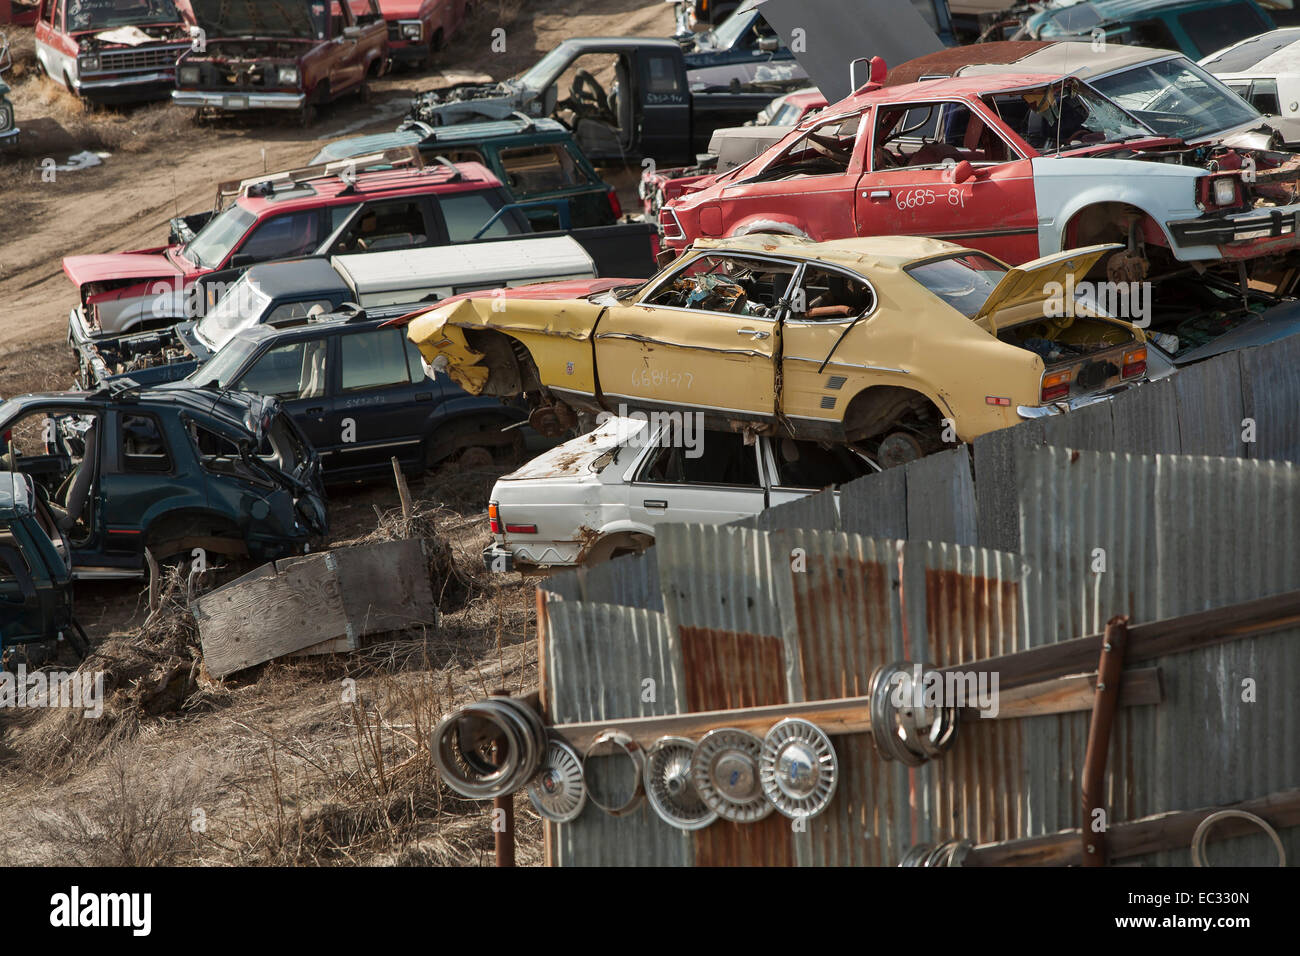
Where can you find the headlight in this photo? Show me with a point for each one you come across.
(87, 63)
(6, 118)
(287, 75)
(189, 75)
(1225, 192)
(412, 30)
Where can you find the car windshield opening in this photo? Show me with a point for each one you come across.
(1065, 115)
(965, 282)
(1177, 98)
(221, 369)
(215, 240)
(107, 14)
(239, 308)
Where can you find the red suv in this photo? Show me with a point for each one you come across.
(280, 216)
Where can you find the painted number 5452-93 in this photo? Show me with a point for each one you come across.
(954, 196)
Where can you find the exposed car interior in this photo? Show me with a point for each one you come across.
(732, 284)
(931, 134)
(723, 459)
(65, 471)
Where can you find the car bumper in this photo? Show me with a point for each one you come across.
(1074, 404)
(239, 101)
(497, 558)
(126, 86)
(1261, 227)
(9, 138)
(407, 51)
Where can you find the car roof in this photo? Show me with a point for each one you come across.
(310, 193)
(328, 322)
(308, 276)
(1269, 54)
(229, 406)
(856, 254)
(931, 89)
(457, 133)
(1057, 57)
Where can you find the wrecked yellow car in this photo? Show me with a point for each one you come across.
(895, 344)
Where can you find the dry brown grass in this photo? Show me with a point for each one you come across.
(303, 761)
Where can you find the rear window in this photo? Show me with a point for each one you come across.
(1216, 27)
(539, 169)
(964, 282)
(1242, 58)
(466, 213)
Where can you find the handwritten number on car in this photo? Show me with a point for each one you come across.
(954, 196)
(657, 377)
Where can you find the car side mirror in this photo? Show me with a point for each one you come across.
(240, 261)
(352, 33)
(769, 44)
(962, 172)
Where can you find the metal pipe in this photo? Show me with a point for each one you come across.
(503, 809)
(1109, 670)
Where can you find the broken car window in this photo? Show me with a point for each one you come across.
(829, 295)
(824, 150)
(1177, 98)
(725, 460)
(806, 464)
(730, 284)
(965, 282)
(1063, 116)
(931, 134)
(239, 308)
(107, 14)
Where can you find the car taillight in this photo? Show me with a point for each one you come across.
(1135, 362)
(1055, 385)
(615, 205)
(494, 517)
(668, 223)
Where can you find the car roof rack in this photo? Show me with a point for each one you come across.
(398, 157)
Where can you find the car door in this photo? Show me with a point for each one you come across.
(817, 380)
(140, 476)
(715, 482)
(962, 180)
(664, 131)
(809, 184)
(297, 372)
(702, 338)
(796, 469)
(382, 395)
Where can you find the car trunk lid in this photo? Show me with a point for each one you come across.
(1035, 281)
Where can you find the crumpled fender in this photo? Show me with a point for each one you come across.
(435, 337)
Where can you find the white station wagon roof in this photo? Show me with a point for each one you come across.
(512, 261)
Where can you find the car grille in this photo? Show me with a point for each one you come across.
(147, 59)
(394, 31)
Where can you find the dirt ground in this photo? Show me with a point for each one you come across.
(280, 764)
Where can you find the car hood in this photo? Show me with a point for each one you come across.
(575, 457)
(1032, 282)
(254, 18)
(121, 265)
(1279, 322)
(400, 9)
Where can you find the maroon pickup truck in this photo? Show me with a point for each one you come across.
(290, 55)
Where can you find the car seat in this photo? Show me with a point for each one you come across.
(74, 495)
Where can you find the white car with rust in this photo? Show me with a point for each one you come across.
(606, 492)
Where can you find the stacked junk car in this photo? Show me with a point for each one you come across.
(786, 433)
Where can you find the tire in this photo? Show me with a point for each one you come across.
(306, 114)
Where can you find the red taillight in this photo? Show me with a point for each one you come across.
(521, 529)
(1135, 363)
(1056, 385)
(615, 205)
(670, 226)
(494, 518)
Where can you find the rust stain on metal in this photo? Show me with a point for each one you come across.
(726, 669)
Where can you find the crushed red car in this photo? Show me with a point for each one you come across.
(1016, 164)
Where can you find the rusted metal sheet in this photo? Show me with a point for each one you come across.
(1146, 419)
(816, 512)
(717, 577)
(996, 482)
(631, 581)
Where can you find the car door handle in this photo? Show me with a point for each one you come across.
(316, 411)
(753, 333)
(877, 194)
(423, 396)
(655, 503)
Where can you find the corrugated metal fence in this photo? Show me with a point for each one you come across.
(751, 616)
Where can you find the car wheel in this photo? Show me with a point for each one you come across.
(363, 91)
(306, 114)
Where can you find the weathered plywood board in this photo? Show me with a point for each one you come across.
(315, 604)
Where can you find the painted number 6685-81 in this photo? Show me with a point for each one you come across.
(916, 198)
